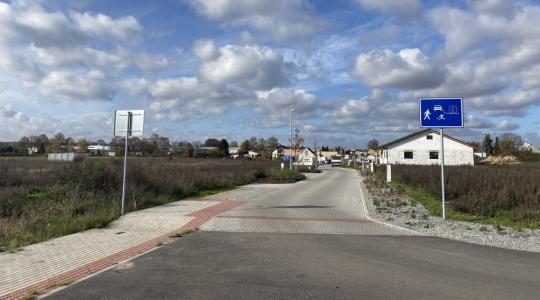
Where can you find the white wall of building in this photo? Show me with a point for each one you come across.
(455, 153)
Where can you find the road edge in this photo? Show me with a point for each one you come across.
(366, 210)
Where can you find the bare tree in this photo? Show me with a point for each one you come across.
(373, 144)
(298, 141)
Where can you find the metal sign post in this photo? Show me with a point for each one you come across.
(126, 124)
(442, 113)
(128, 133)
(443, 193)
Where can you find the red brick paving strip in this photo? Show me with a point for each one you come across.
(361, 221)
(200, 217)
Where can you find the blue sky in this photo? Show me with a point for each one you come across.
(353, 69)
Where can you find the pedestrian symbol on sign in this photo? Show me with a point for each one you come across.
(427, 113)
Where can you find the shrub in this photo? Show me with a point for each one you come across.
(306, 169)
(284, 176)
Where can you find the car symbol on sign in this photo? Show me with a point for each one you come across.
(437, 108)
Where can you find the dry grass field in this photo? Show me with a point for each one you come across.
(508, 194)
(40, 200)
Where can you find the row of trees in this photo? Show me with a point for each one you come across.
(153, 146)
(506, 143)
(58, 143)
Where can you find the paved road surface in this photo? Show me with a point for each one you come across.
(222, 265)
(329, 202)
(276, 246)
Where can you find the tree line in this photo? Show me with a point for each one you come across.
(155, 145)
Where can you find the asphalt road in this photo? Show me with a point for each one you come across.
(221, 265)
(277, 246)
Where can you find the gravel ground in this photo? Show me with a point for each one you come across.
(387, 205)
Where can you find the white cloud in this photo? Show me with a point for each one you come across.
(403, 9)
(283, 19)
(188, 98)
(205, 49)
(507, 125)
(478, 123)
(496, 7)
(406, 69)
(273, 106)
(92, 85)
(8, 113)
(148, 62)
(134, 86)
(103, 26)
(376, 112)
(253, 67)
(463, 30)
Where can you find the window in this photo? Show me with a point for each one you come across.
(408, 155)
(429, 137)
(433, 154)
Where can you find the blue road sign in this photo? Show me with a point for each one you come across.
(441, 112)
(286, 157)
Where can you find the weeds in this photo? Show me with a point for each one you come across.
(283, 176)
(40, 200)
(510, 194)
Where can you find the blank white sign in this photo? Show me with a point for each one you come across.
(121, 122)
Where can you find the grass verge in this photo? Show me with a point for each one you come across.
(282, 176)
(433, 205)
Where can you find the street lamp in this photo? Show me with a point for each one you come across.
(290, 138)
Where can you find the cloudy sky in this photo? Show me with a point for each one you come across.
(353, 69)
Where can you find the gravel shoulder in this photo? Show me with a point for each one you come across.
(389, 206)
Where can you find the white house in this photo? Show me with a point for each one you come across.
(253, 154)
(99, 149)
(423, 147)
(282, 152)
(529, 147)
(306, 157)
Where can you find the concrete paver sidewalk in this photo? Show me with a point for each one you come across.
(43, 266)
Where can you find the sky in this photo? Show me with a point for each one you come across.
(352, 69)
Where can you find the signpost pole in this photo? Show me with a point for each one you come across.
(442, 175)
(128, 133)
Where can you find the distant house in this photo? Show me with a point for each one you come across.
(423, 148)
(321, 160)
(32, 150)
(99, 150)
(529, 147)
(328, 155)
(236, 152)
(306, 157)
(280, 153)
(253, 154)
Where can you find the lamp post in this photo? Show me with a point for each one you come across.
(290, 138)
